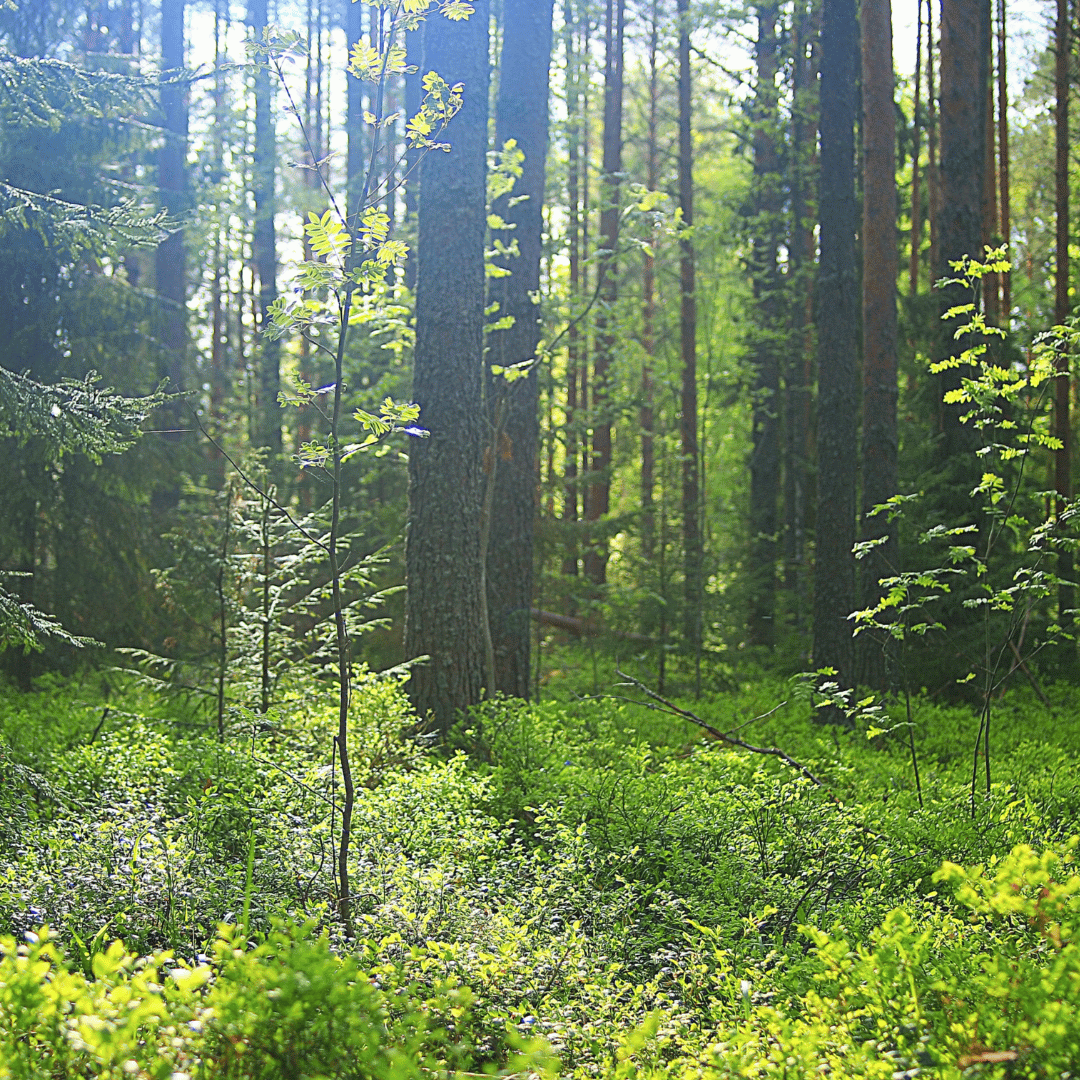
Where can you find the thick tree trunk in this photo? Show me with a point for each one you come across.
(599, 502)
(837, 315)
(991, 286)
(880, 268)
(442, 551)
(692, 555)
(798, 377)
(964, 85)
(765, 452)
(521, 114)
(264, 175)
(1062, 307)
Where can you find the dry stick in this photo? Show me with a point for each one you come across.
(716, 733)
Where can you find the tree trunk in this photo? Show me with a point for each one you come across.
(880, 268)
(573, 335)
(1062, 306)
(267, 410)
(521, 114)
(837, 314)
(798, 379)
(991, 287)
(933, 176)
(692, 561)
(765, 452)
(596, 555)
(170, 263)
(442, 550)
(647, 414)
(964, 84)
(916, 193)
(1003, 161)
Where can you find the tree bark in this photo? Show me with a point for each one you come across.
(837, 314)
(647, 413)
(442, 550)
(880, 268)
(264, 176)
(916, 193)
(692, 555)
(765, 272)
(964, 84)
(521, 114)
(596, 555)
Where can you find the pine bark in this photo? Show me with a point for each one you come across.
(766, 343)
(444, 571)
(1003, 159)
(964, 85)
(880, 268)
(264, 189)
(599, 501)
(916, 192)
(521, 114)
(647, 412)
(837, 315)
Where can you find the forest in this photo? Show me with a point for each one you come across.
(538, 539)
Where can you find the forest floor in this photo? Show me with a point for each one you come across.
(583, 886)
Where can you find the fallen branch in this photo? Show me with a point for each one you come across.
(583, 628)
(674, 710)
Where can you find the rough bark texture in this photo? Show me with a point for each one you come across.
(264, 172)
(521, 113)
(880, 269)
(599, 501)
(837, 314)
(798, 376)
(766, 341)
(647, 416)
(442, 550)
(1062, 307)
(688, 418)
(964, 84)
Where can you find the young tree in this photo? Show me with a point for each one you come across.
(444, 570)
(880, 268)
(521, 114)
(834, 566)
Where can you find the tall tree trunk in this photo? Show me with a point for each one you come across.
(521, 114)
(170, 263)
(573, 336)
(219, 387)
(692, 556)
(964, 85)
(596, 555)
(798, 379)
(879, 433)
(765, 453)
(933, 176)
(444, 571)
(647, 414)
(916, 193)
(1003, 160)
(837, 315)
(268, 412)
(413, 99)
(1062, 308)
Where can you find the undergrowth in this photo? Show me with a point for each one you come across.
(584, 887)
